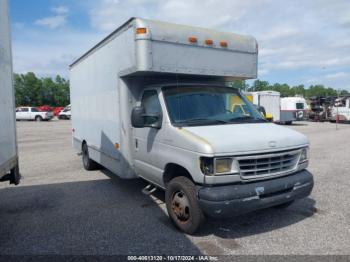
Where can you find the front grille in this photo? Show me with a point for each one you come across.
(262, 165)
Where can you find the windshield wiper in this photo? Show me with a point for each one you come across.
(246, 119)
(201, 120)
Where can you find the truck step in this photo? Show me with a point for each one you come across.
(149, 189)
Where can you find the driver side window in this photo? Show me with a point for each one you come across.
(151, 104)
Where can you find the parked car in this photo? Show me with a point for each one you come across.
(44, 108)
(32, 113)
(65, 113)
(162, 112)
(9, 168)
(57, 110)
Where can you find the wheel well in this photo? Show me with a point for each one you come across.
(38, 116)
(174, 170)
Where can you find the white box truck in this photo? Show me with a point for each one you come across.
(271, 101)
(150, 101)
(9, 170)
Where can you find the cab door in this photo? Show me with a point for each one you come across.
(22, 113)
(146, 140)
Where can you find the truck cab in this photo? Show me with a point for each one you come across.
(229, 156)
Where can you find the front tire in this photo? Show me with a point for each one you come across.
(88, 163)
(182, 205)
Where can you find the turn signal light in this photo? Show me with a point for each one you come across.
(141, 30)
(208, 42)
(192, 39)
(223, 44)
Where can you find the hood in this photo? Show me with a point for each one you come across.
(243, 138)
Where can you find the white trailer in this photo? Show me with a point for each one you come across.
(271, 101)
(9, 170)
(150, 101)
(294, 105)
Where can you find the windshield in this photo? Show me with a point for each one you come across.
(208, 105)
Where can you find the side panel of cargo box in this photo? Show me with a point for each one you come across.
(8, 143)
(167, 48)
(96, 93)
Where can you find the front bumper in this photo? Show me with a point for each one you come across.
(231, 200)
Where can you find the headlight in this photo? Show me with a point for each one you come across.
(304, 155)
(218, 166)
(223, 165)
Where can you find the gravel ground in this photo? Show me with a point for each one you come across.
(61, 209)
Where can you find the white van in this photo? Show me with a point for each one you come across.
(65, 113)
(150, 101)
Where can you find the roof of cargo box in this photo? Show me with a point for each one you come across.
(182, 34)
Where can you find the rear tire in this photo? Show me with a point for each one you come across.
(15, 176)
(38, 119)
(182, 205)
(284, 205)
(88, 163)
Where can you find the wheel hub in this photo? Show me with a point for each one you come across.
(180, 206)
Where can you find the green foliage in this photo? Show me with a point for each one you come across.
(286, 90)
(34, 91)
(239, 84)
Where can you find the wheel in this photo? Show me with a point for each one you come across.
(288, 122)
(15, 176)
(182, 205)
(38, 119)
(88, 163)
(284, 205)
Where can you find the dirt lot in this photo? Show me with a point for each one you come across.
(61, 209)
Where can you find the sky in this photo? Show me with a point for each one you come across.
(300, 42)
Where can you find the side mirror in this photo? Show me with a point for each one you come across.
(137, 117)
(140, 119)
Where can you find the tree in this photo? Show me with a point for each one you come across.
(33, 91)
(259, 85)
(239, 84)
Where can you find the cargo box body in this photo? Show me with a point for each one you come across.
(107, 81)
(8, 143)
(271, 101)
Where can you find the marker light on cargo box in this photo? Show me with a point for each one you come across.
(192, 39)
(223, 44)
(208, 42)
(141, 30)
